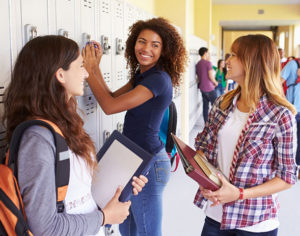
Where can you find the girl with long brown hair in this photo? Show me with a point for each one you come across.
(156, 57)
(48, 74)
(251, 136)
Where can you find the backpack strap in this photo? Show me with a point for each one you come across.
(62, 161)
(172, 125)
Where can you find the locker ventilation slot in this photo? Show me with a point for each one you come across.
(105, 7)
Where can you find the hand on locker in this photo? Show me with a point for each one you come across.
(92, 54)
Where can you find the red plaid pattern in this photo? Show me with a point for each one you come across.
(266, 148)
(237, 148)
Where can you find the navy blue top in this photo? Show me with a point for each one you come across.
(142, 123)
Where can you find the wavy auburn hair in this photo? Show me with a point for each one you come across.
(35, 92)
(260, 58)
(173, 57)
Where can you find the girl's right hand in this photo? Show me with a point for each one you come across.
(115, 212)
(92, 54)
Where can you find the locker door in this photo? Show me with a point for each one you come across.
(84, 32)
(105, 38)
(118, 60)
(65, 18)
(118, 44)
(5, 61)
(129, 19)
(37, 18)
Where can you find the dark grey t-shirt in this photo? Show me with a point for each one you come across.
(36, 179)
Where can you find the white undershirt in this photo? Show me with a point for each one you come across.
(227, 139)
(79, 199)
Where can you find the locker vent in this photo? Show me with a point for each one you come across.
(119, 11)
(88, 3)
(90, 104)
(119, 75)
(106, 77)
(105, 7)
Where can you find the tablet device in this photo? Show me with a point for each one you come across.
(119, 160)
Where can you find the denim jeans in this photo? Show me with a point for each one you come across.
(145, 216)
(219, 91)
(207, 97)
(212, 228)
(298, 139)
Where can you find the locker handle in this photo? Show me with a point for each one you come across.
(30, 32)
(63, 32)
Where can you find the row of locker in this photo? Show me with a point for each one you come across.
(106, 21)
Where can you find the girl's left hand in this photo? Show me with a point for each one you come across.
(138, 183)
(227, 192)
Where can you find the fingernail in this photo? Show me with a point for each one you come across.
(134, 178)
(218, 174)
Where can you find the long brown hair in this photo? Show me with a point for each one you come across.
(173, 57)
(34, 91)
(260, 58)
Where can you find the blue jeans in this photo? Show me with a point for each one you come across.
(146, 208)
(219, 91)
(212, 228)
(207, 97)
(298, 139)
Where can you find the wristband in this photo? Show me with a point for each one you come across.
(103, 221)
(241, 197)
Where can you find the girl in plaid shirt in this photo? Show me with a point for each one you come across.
(251, 136)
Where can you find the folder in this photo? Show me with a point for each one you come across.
(119, 160)
(189, 159)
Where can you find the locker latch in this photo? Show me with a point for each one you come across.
(86, 38)
(63, 32)
(106, 135)
(105, 44)
(120, 127)
(119, 46)
(30, 32)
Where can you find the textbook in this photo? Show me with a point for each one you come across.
(119, 160)
(196, 166)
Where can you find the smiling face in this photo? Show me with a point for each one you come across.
(235, 69)
(148, 48)
(73, 78)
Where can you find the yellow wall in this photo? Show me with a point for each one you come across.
(243, 12)
(203, 19)
(230, 36)
(146, 5)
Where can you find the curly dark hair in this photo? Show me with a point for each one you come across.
(173, 57)
(34, 92)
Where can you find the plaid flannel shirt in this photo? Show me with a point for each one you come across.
(268, 149)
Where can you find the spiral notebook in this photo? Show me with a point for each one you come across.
(119, 160)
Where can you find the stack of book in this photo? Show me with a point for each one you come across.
(196, 166)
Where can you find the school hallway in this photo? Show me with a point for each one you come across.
(182, 218)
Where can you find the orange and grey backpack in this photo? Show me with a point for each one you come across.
(12, 214)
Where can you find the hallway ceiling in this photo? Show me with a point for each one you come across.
(255, 1)
(256, 24)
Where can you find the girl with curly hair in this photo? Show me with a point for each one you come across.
(47, 76)
(156, 56)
